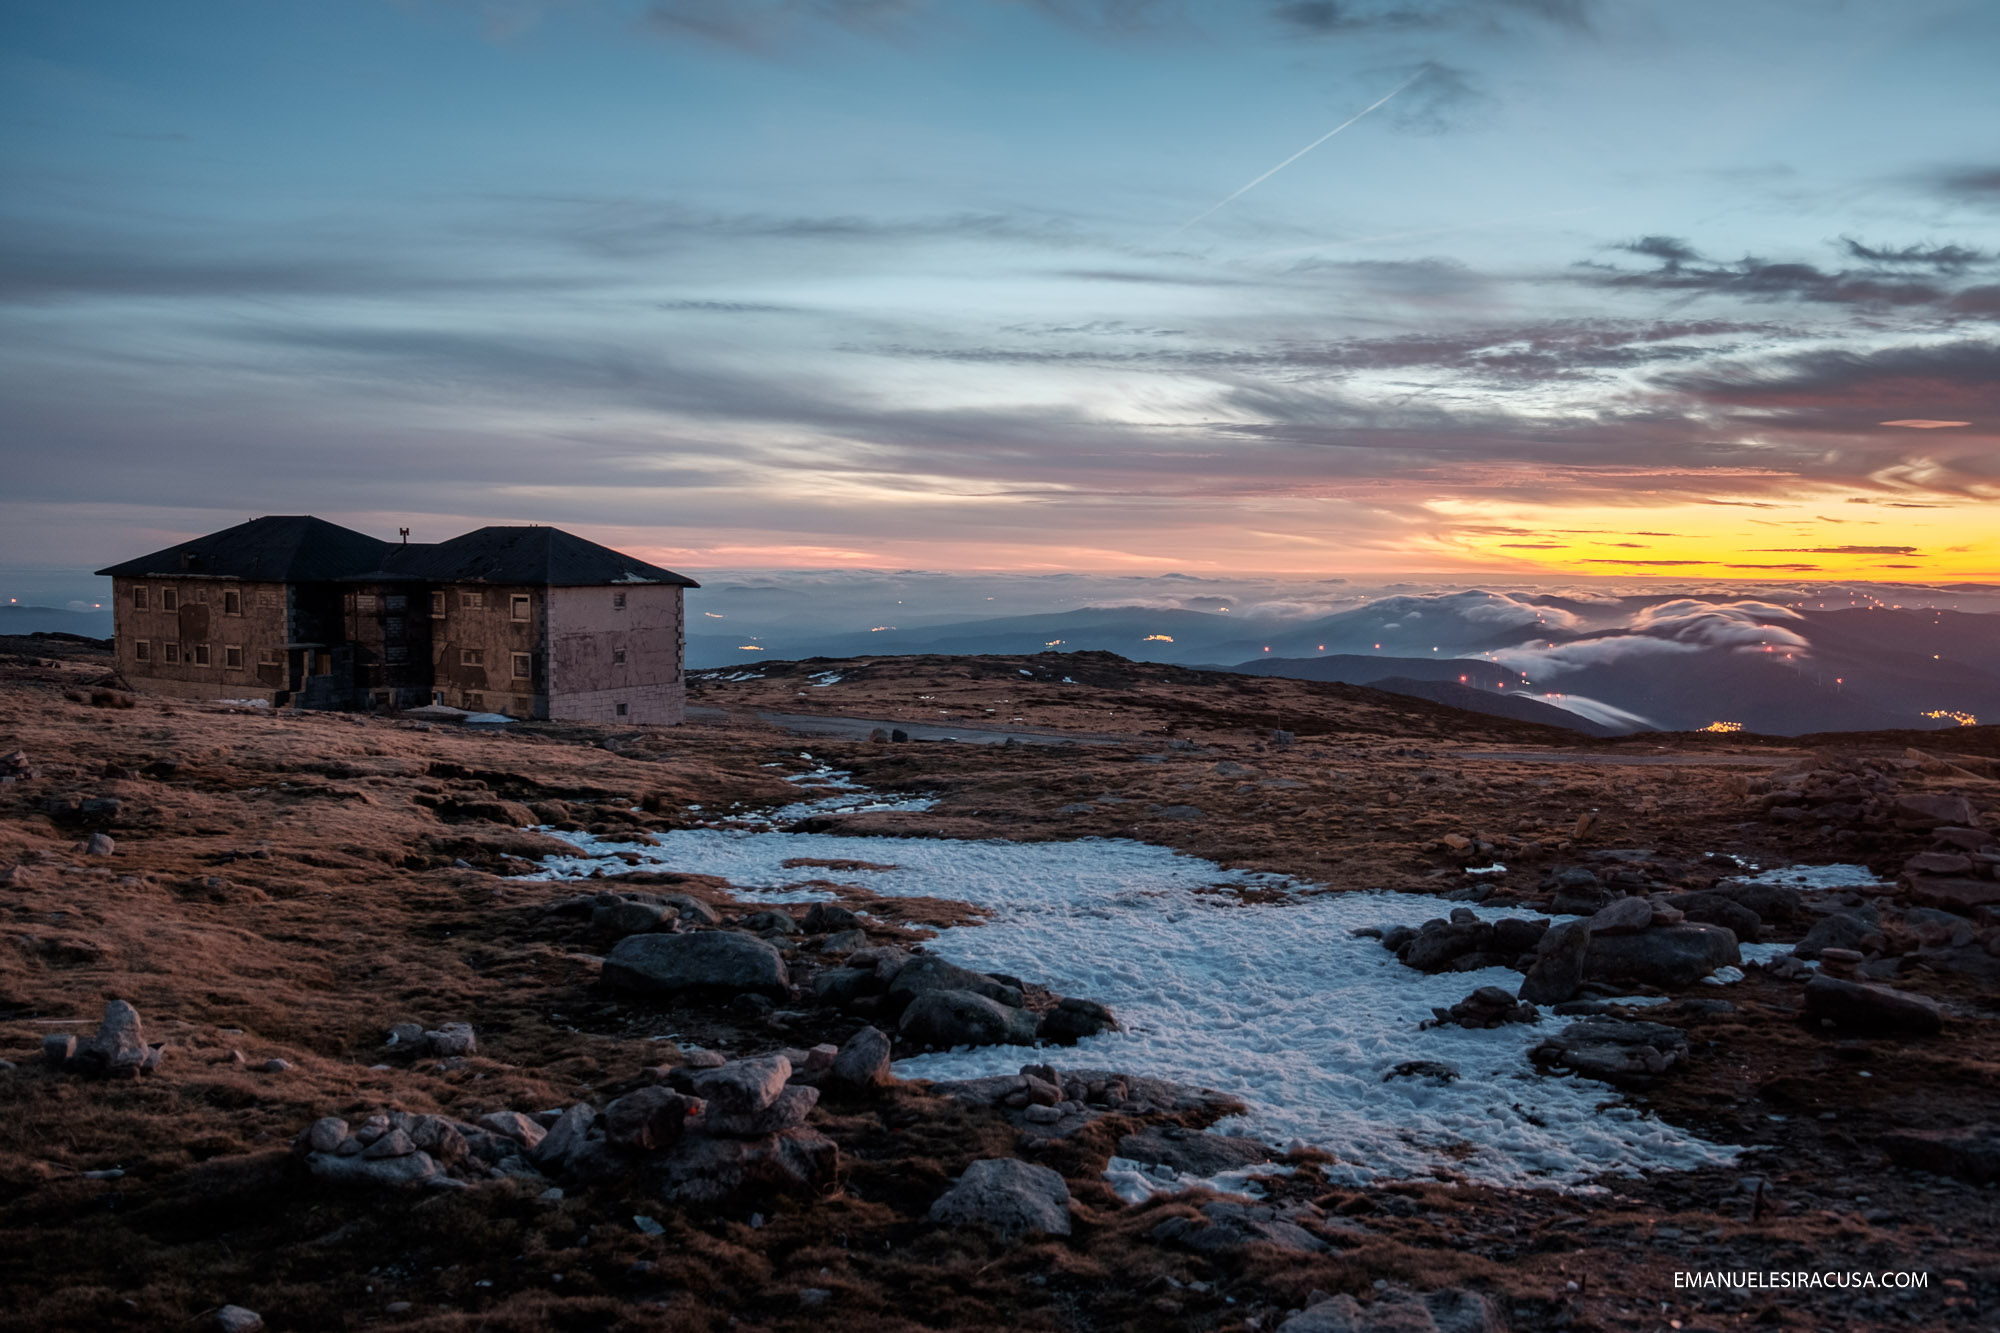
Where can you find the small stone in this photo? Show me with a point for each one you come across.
(844, 942)
(820, 1058)
(1037, 1114)
(450, 1039)
(393, 1144)
(236, 1319)
(743, 1087)
(788, 1111)
(649, 1119)
(275, 1065)
(57, 1048)
(326, 1133)
(863, 1060)
(103, 844)
(513, 1125)
(405, 1034)
(1627, 916)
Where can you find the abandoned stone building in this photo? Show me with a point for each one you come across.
(532, 622)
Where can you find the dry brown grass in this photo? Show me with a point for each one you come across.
(285, 886)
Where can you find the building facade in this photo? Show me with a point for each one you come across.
(533, 622)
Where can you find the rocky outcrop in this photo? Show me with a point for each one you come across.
(1451, 1311)
(1852, 1005)
(1487, 1007)
(711, 960)
(1661, 956)
(1008, 1197)
(1971, 1154)
(942, 1019)
(1558, 968)
(1614, 1049)
(117, 1050)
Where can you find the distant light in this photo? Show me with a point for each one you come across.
(1164, 638)
(748, 648)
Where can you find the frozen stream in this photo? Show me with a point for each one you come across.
(1277, 1004)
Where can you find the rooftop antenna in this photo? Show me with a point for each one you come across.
(406, 535)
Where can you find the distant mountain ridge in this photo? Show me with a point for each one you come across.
(54, 620)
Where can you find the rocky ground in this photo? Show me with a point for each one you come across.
(290, 1044)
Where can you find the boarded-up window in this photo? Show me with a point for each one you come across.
(170, 652)
(267, 600)
(364, 601)
(232, 602)
(170, 600)
(517, 607)
(138, 599)
(201, 654)
(395, 603)
(523, 666)
(472, 601)
(618, 601)
(437, 605)
(618, 657)
(472, 657)
(269, 657)
(142, 651)
(624, 709)
(396, 652)
(232, 657)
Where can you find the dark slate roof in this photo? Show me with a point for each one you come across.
(282, 548)
(547, 557)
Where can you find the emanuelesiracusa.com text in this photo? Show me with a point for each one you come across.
(1741, 1280)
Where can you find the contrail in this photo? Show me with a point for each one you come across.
(1243, 190)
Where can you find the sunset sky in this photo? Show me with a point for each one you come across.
(1662, 287)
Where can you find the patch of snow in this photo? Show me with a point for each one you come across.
(825, 678)
(1274, 1003)
(1026, 672)
(1136, 1182)
(245, 703)
(1495, 869)
(1817, 877)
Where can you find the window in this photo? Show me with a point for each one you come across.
(364, 601)
(437, 606)
(232, 603)
(472, 601)
(142, 651)
(170, 599)
(395, 603)
(269, 657)
(138, 599)
(617, 657)
(395, 652)
(232, 657)
(268, 600)
(522, 666)
(623, 709)
(201, 654)
(618, 601)
(472, 657)
(393, 627)
(170, 652)
(517, 607)
(477, 701)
